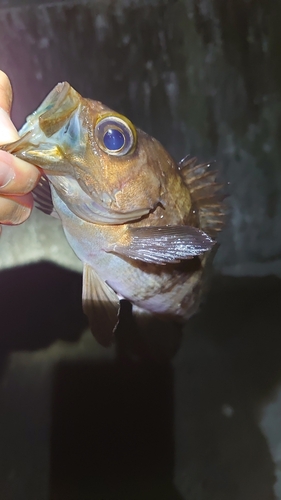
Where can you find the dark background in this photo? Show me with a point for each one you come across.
(78, 422)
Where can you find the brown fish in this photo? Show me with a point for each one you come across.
(142, 224)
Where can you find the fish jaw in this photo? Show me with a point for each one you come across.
(54, 111)
(50, 131)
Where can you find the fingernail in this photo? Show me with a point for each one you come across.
(6, 175)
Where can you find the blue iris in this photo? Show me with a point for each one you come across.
(113, 139)
(114, 135)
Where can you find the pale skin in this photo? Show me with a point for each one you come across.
(17, 177)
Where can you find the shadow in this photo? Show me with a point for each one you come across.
(125, 427)
(225, 372)
(146, 337)
(40, 303)
(242, 317)
(112, 432)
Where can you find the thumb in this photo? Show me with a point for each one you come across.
(6, 92)
(8, 132)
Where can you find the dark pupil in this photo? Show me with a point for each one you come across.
(113, 139)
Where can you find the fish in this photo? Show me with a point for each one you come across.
(143, 225)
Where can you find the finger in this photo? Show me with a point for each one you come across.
(6, 93)
(16, 176)
(16, 209)
(8, 132)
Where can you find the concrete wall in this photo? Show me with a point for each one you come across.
(80, 422)
(201, 76)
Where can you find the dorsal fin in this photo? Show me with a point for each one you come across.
(206, 194)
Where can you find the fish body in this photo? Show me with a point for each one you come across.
(142, 224)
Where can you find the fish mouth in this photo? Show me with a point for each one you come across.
(54, 125)
(55, 110)
(61, 104)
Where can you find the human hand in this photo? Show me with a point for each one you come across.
(17, 177)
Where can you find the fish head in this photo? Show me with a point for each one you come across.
(103, 167)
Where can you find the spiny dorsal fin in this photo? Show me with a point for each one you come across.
(206, 194)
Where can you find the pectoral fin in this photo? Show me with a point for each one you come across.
(43, 198)
(101, 305)
(163, 245)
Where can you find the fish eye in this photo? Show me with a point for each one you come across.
(115, 135)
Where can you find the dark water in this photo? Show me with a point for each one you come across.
(204, 78)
